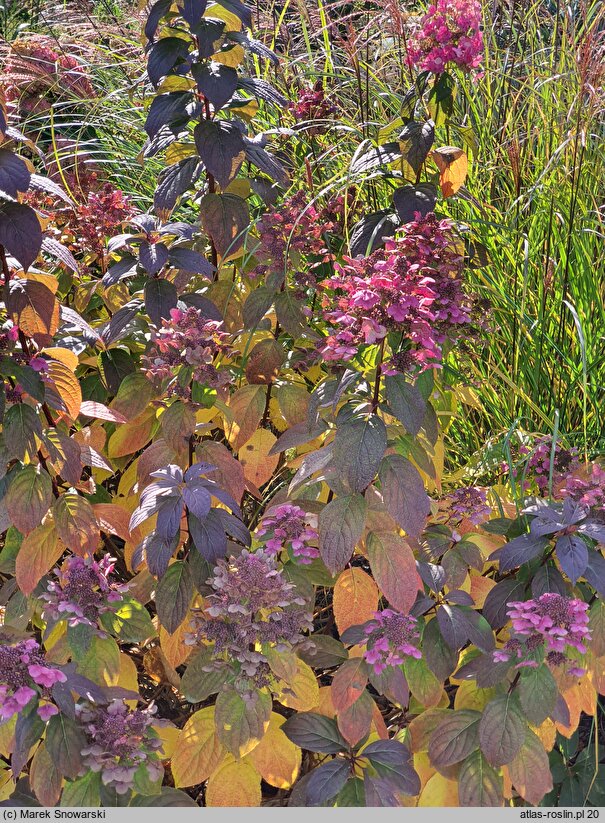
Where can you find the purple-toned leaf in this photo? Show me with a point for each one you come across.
(173, 596)
(538, 693)
(158, 10)
(160, 297)
(520, 550)
(479, 784)
(572, 554)
(220, 145)
(191, 261)
(64, 741)
(208, 536)
(153, 257)
(594, 572)
(440, 657)
(392, 761)
(172, 109)
(215, 81)
(495, 606)
(341, 525)
(432, 575)
(163, 56)
(357, 450)
(370, 233)
(405, 402)
(403, 493)
(378, 793)
(192, 11)
(173, 182)
(20, 232)
(197, 499)
(502, 730)
(314, 733)
(326, 781)
(14, 174)
(456, 736)
(411, 199)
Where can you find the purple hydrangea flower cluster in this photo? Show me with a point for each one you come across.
(287, 526)
(565, 462)
(552, 622)
(390, 638)
(449, 32)
(468, 503)
(119, 743)
(83, 591)
(25, 675)
(252, 604)
(187, 340)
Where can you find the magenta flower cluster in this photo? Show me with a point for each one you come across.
(468, 503)
(26, 675)
(83, 591)
(191, 341)
(390, 639)
(287, 526)
(119, 743)
(553, 623)
(252, 603)
(449, 32)
(413, 286)
(312, 104)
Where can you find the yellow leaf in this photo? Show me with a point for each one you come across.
(198, 751)
(468, 696)
(127, 678)
(170, 737)
(233, 22)
(7, 787)
(254, 456)
(305, 688)
(422, 764)
(7, 737)
(235, 783)
(277, 758)
(230, 57)
(547, 734)
(439, 792)
(355, 598)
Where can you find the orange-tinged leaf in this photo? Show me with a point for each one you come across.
(547, 733)
(394, 569)
(574, 703)
(34, 307)
(75, 523)
(29, 497)
(276, 758)
(174, 646)
(302, 693)
(229, 473)
(439, 791)
(236, 783)
(255, 459)
(113, 519)
(132, 436)
(530, 770)
(67, 387)
(355, 598)
(65, 356)
(453, 168)
(198, 751)
(39, 551)
(480, 588)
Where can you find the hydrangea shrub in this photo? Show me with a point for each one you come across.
(231, 570)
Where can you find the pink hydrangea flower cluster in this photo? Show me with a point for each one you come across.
(287, 526)
(187, 341)
(252, 603)
(36, 74)
(390, 639)
(565, 462)
(449, 32)
(552, 622)
(468, 503)
(119, 743)
(26, 675)
(289, 231)
(83, 591)
(588, 491)
(413, 286)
